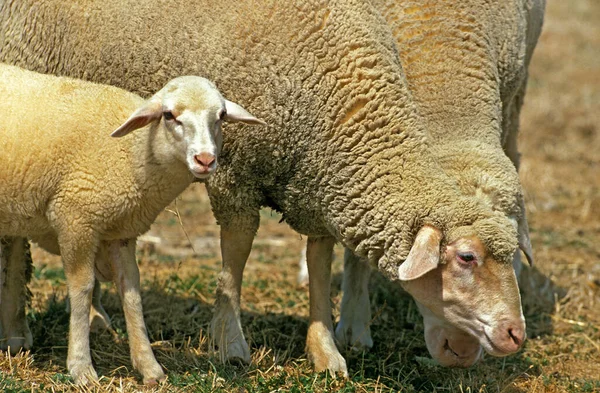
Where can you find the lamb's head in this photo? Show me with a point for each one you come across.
(189, 111)
(466, 278)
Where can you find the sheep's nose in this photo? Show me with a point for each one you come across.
(204, 159)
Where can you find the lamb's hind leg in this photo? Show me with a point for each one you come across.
(15, 268)
(226, 327)
(355, 316)
(320, 343)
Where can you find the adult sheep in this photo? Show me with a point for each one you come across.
(67, 186)
(347, 157)
(466, 66)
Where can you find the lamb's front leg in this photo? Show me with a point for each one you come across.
(226, 326)
(127, 280)
(78, 250)
(15, 268)
(355, 315)
(320, 343)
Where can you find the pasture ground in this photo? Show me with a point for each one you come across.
(560, 142)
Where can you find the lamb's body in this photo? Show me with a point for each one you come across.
(346, 158)
(67, 174)
(69, 186)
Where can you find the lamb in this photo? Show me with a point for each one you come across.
(69, 187)
(475, 135)
(347, 157)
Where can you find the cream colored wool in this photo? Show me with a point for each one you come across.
(347, 153)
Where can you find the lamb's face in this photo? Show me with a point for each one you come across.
(192, 113)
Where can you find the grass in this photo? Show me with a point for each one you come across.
(560, 141)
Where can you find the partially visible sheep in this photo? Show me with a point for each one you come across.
(466, 65)
(66, 184)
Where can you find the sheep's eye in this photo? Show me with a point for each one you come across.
(222, 114)
(467, 257)
(168, 115)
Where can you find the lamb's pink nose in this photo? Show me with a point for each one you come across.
(204, 159)
(517, 336)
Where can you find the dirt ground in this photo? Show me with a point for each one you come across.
(560, 143)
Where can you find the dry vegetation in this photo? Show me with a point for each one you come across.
(560, 142)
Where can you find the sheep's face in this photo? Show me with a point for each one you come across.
(190, 111)
(470, 290)
(449, 346)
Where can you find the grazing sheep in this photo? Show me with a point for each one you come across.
(74, 190)
(347, 157)
(466, 65)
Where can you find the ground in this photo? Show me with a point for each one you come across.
(560, 142)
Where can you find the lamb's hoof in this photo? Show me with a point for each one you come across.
(322, 352)
(346, 337)
(99, 322)
(83, 375)
(155, 380)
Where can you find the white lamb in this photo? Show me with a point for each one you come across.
(68, 186)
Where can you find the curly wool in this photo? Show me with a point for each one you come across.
(346, 153)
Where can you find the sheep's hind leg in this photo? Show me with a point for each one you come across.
(15, 267)
(320, 343)
(226, 327)
(127, 280)
(355, 316)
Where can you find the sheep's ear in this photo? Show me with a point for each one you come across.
(149, 112)
(524, 242)
(424, 256)
(236, 113)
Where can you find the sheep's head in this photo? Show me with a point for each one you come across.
(189, 110)
(469, 282)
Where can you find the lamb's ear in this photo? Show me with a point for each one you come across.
(149, 112)
(424, 256)
(235, 113)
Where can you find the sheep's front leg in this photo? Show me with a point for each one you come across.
(320, 344)
(127, 280)
(226, 327)
(78, 253)
(15, 268)
(355, 316)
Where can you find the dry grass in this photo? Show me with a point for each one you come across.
(561, 173)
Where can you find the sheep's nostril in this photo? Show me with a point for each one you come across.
(204, 159)
(517, 336)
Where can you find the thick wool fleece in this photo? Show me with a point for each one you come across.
(466, 65)
(346, 153)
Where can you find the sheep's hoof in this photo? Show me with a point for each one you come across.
(323, 353)
(17, 342)
(334, 363)
(83, 375)
(345, 336)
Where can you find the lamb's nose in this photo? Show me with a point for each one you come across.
(204, 159)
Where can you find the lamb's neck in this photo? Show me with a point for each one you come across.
(160, 175)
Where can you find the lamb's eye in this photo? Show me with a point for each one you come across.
(168, 115)
(467, 257)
